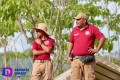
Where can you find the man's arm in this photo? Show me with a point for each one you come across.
(70, 46)
(36, 52)
(46, 48)
(101, 42)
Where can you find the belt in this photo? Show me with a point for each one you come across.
(40, 61)
(78, 56)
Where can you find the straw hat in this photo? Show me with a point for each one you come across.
(43, 27)
(81, 15)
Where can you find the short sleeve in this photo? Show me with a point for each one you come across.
(51, 43)
(34, 45)
(71, 37)
(97, 33)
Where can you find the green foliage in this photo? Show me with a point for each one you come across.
(108, 45)
(9, 14)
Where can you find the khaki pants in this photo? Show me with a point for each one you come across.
(42, 70)
(81, 71)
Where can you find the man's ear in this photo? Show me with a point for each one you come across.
(85, 21)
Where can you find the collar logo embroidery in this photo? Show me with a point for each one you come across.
(76, 34)
(87, 33)
(46, 42)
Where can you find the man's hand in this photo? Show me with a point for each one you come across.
(68, 60)
(92, 51)
(38, 40)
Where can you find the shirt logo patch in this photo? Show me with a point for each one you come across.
(76, 34)
(87, 33)
(46, 42)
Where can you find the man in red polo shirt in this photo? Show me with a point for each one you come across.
(42, 48)
(81, 45)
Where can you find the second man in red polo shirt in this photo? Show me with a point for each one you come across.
(42, 48)
(81, 45)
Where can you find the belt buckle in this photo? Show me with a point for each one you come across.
(41, 61)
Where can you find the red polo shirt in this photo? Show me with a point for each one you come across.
(83, 39)
(46, 56)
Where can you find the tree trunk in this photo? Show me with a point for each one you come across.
(5, 57)
(23, 32)
(108, 36)
(33, 22)
(108, 27)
